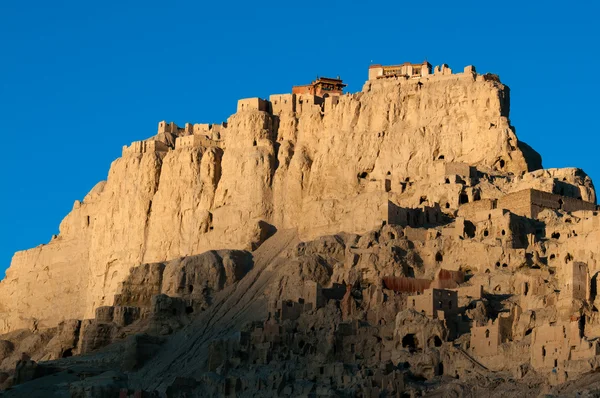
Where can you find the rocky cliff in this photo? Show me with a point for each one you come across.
(308, 169)
(405, 176)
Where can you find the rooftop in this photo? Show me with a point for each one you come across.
(398, 65)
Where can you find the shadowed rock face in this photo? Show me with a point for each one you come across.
(533, 159)
(306, 312)
(204, 274)
(374, 240)
(159, 298)
(195, 277)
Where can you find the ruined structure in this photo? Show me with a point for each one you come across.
(320, 244)
(321, 87)
(407, 69)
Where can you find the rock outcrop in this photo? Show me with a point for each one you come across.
(309, 169)
(351, 244)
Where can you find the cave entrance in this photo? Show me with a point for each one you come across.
(435, 341)
(410, 341)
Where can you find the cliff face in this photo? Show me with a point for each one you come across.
(319, 169)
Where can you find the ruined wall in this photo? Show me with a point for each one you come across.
(282, 103)
(570, 182)
(164, 127)
(576, 281)
(518, 203)
(195, 141)
(485, 339)
(531, 202)
(470, 210)
(434, 300)
(140, 147)
(252, 104)
(551, 343)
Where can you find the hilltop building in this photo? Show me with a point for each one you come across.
(378, 71)
(321, 87)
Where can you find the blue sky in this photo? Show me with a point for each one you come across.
(80, 79)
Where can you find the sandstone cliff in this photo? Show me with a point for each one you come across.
(320, 170)
(349, 244)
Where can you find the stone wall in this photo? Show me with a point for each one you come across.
(164, 127)
(195, 141)
(283, 103)
(518, 203)
(543, 200)
(308, 103)
(433, 301)
(551, 344)
(530, 202)
(469, 210)
(140, 147)
(252, 104)
(576, 281)
(485, 339)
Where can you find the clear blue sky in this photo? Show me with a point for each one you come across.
(79, 79)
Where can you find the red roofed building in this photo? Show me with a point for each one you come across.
(321, 87)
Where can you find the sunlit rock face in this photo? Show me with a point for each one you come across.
(319, 165)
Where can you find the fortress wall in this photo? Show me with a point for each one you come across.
(195, 141)
(140, 147)
(281, 103)
(545, 199)
(485, 339)
(475, 292)
(375, 72)
(530, 202)
(252, 104)
(217, 131)
(201, 128)
(398, 215)
(164, 127)
(424, 79)
(308, 102)
(518, 203)
(330, 103)
(442, 69)
(470, 210)
(571, 205)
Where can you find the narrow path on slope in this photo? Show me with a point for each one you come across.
(475, 362)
